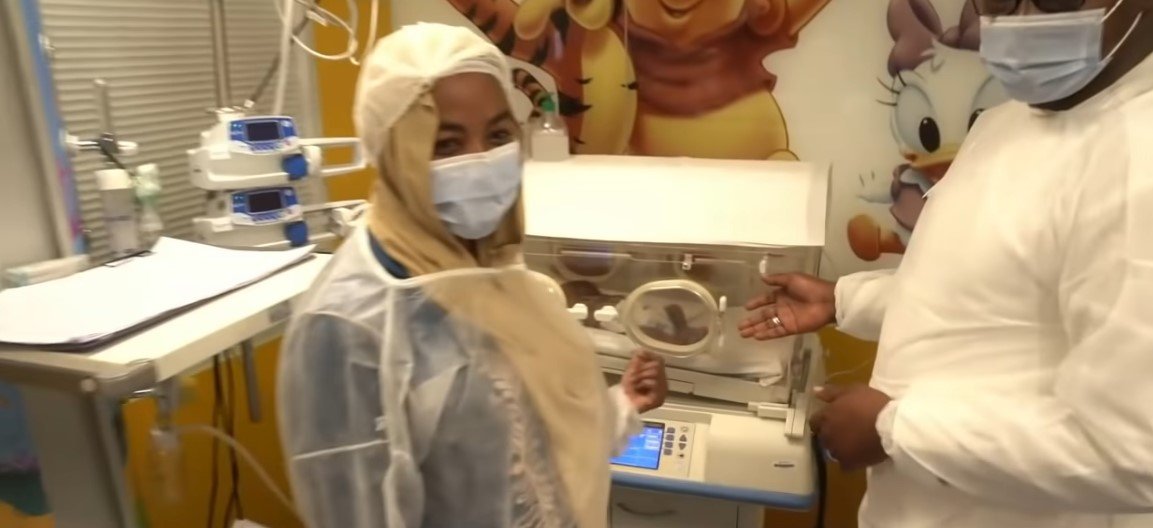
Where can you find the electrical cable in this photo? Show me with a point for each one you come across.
(852, 370)
(234, 504)
(246, 456)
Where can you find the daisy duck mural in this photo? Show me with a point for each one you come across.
(937, 88)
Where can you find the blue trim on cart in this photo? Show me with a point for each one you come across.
(768, 499)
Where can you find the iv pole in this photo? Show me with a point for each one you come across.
(220, 54)
(223, 104)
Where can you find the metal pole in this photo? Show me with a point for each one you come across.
(103, 107)
(251, 382)
(220, 54)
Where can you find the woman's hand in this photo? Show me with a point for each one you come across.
(798, 304)
(644, 381)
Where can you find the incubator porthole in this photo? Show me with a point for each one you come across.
(677, 318)
(588, 263)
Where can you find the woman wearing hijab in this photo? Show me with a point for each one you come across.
(428, 379)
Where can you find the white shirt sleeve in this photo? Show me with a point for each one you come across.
(626, 420)
(861, 299)
(1082, 440)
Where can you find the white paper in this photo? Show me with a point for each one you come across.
(106, 300)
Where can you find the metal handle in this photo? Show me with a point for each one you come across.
(662, 513)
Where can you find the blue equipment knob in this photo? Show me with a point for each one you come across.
(295, 165)
(296, 233)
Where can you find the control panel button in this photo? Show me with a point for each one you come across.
(682, 445)
(669, 445)
(684, 438)
(669, 452)
(671, 430)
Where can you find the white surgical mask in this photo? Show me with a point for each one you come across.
(1047, 57)
(473, 192)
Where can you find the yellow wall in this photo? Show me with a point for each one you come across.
(337, 82)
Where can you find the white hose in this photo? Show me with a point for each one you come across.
(374, 14)
(326, 17)
(285, 57)
(846, 372)
(246, 455)
(285, 10)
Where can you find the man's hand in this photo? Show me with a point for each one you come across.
(798, 304)
(847, 425)
(644, 381)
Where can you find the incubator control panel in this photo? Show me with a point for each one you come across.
(663, 448)
(262, 135)
(265, 206)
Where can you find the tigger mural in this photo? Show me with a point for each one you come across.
(937, 87)
(576, 44)
(650, 77)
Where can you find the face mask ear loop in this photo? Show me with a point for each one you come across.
(1128, 34)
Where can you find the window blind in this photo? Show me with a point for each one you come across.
(156, 56)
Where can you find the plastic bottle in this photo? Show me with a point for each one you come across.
(147, 188)
(119, 200)
(549, 138)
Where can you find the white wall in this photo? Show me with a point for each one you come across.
(26, 231)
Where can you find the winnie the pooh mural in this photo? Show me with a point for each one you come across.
(651, 77)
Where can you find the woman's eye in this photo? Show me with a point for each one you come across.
(501, 137)
(446, 147)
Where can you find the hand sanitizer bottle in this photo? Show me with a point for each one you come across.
(549, 138)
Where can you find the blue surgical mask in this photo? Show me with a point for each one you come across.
(472, 193)
(1047, 57)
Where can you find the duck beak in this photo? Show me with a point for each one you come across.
(934, 165)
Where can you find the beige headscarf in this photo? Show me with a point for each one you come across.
(553, 358)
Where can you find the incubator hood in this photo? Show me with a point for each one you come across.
(663, 254)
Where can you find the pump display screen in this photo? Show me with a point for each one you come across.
(644, 450)
(262, 131)
(263, 202)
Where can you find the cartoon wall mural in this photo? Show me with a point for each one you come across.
(649, 77)
(937, 87)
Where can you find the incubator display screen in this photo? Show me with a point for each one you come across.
(263, 202)
(262, 131)
(644, 450)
